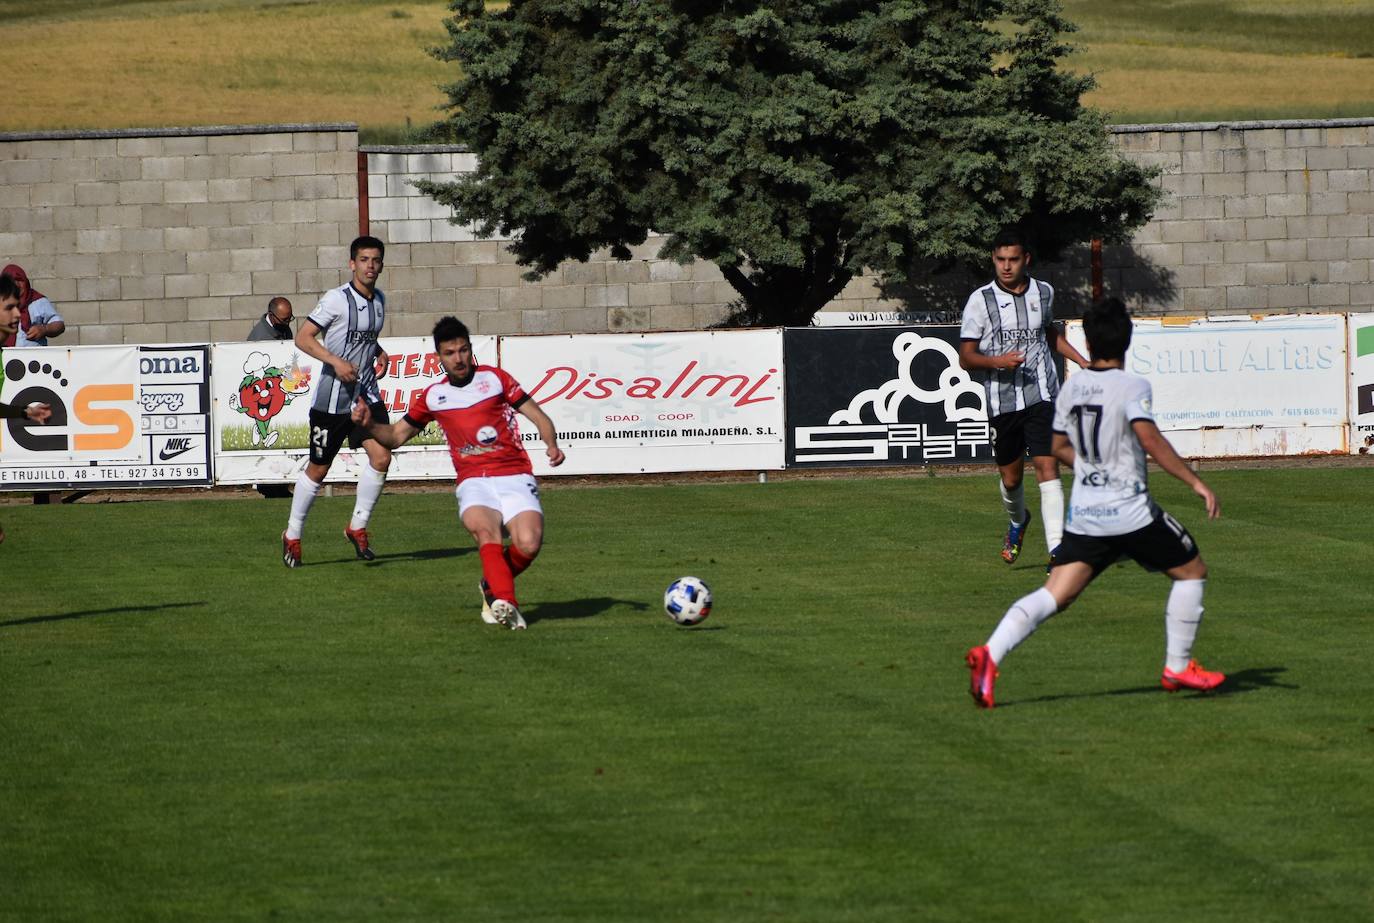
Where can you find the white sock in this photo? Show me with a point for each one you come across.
(1014, 501)
(301, 500)
(370, 484)
(1020, 622)
(1052, 512)
(1182, 613)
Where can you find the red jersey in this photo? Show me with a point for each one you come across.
(478, 420)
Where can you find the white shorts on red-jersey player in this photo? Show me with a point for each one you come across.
(512, 494)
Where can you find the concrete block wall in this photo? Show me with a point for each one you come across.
(1259, 217)
(177, 235)
(436, 268)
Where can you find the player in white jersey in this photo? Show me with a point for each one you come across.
(1009, 337)
(1103, 428)
(342, 334)
(475, 405)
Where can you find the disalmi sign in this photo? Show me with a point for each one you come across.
(701, 401)
(882, 396)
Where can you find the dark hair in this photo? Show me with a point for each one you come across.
(365, 243)
(1011, 237)
(1107, 325)
(450, 328)
(9, 288)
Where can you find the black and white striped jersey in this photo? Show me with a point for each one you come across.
(1001, 322)
(351, 323)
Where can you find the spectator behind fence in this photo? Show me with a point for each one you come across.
(276, 323)
(9, 322)
(38, 319)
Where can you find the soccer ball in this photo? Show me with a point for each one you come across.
(687, 600)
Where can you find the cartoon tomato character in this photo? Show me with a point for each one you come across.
(264, 391)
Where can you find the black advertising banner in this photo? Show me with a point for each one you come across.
(881, 396)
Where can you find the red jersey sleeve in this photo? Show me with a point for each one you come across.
(419, 414)
(514, 393)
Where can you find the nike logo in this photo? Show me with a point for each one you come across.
(175, 447)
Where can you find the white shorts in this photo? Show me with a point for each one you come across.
(510, 494)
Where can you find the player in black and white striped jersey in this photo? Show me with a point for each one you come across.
(342, 334)
(1008, 336)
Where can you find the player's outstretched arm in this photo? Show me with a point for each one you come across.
(547, 432)
(307, 341)
(1062, 449)
(1153, 442)
(38, 413)
(391, 435)
(1060, 344)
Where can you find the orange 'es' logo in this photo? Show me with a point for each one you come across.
(82, 421)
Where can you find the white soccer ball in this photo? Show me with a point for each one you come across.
(687, 600)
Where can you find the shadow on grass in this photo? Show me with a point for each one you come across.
(1238, 682)
(86, 613)
(578, 608)
(422, 554)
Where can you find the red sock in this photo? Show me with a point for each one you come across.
(517, 560)
(497, 572)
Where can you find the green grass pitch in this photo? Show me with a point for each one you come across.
(189, 731)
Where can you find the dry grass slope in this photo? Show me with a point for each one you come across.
(118, 63)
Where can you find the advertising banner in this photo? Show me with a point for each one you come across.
(262, 394)
(1243, 386)
(883, 318)
(116, 412)
(1362, 384)
(630, 403)
(882, 396)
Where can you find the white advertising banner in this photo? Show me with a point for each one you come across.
(654, 402)
(94, 395)
(262, 393)
(1243, 386)
(1362, 384)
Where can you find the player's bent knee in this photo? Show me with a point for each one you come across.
(378, 455)
(1195, 569)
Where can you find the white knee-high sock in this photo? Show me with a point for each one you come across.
(370, 484)
(1014, 501)
(301, 500)
(1182, 614)
(1052, 512)
(1020, 622)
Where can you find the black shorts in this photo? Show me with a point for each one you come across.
(1162, 545)
(1023, 431)
(329, 430)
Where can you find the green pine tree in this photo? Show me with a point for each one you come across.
(794, 143)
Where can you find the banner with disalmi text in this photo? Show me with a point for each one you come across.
(654, 402)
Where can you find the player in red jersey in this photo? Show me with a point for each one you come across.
(475, 406)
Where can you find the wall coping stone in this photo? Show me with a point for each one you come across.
(414, 149)
(82, 134)
(1251, 125)
(1241, 126)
